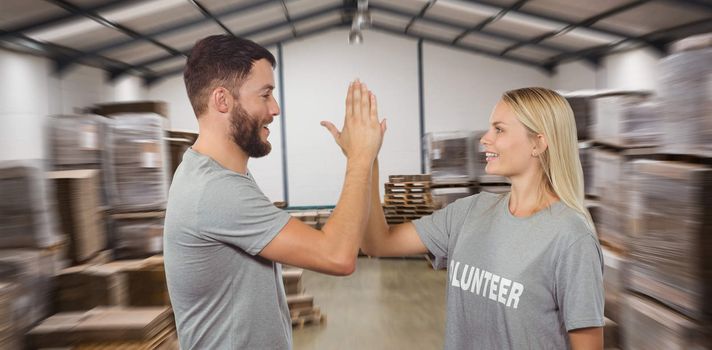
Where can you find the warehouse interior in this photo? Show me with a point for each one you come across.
(94, 118)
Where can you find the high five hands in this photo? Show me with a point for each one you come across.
(362, 134)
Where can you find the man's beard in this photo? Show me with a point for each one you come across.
(245, 131)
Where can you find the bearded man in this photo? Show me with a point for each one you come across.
(224, 240)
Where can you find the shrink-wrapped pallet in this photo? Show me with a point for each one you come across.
(670, 245)
(137, 163)
(137, 235)
(451, 156)
(612, 184)
(27, 208)
(611, 188)
(626, 120)
(587, 113)
(80, 142)
(685, 91)
(77, 140)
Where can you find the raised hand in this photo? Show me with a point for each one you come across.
(362, 134)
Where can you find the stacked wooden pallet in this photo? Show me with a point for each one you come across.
(407, 197)
(301, 305)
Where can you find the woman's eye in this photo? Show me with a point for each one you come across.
(498, 130)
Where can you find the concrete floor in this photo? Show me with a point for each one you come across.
(385, 304)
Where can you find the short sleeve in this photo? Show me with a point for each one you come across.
(579, 284)
(233, 210)
(435, 230)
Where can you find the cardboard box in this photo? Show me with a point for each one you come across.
(109, 326)
(81, 220)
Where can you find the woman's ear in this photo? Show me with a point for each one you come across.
(540, 146)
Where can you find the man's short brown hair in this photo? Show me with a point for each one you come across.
(219, 60)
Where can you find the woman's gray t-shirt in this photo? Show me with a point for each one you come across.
(515, 283)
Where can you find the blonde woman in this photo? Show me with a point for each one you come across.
(524, 268)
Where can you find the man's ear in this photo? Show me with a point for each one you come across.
(221, 99)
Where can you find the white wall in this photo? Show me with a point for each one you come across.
(25, 92)
(317, 73)
(462, 88)
(125, 88)
(630, 70)
(574, 76)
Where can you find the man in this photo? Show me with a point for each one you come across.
(224, 240)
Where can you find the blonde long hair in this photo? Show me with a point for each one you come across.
(545, 112)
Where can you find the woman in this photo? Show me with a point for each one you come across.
(524, 268)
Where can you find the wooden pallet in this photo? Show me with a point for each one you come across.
(403, 189)
(412, 184)
(425, 196)
(407, 202)
(409, 178)
(306, 316)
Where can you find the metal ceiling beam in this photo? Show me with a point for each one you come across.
(57, 53)
(443, 23)
(583, 23)
(64, 63)
(209, 15)
(480, 26)
(260, 30)
(289, 19)
(597, 52)
(706, 4)
(470, 49)
(420, 14)
(556, 19)
(177, 27)
(153, 78)
(57, 20)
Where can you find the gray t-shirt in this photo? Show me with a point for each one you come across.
(224, 295)
(515, 283)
